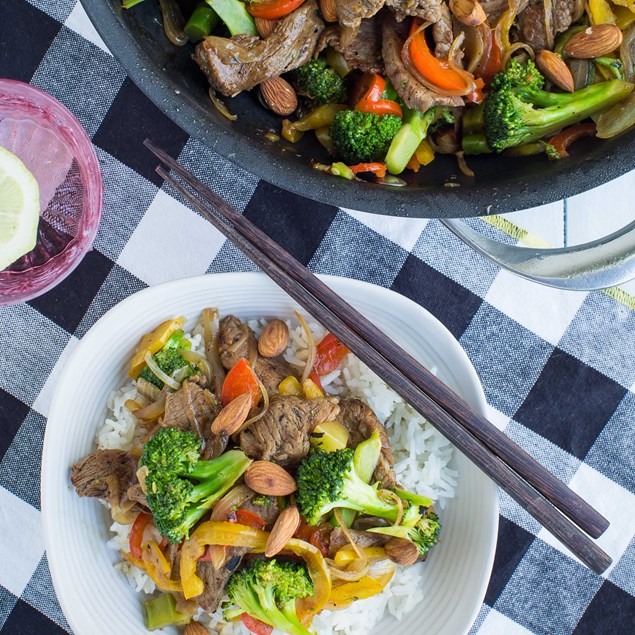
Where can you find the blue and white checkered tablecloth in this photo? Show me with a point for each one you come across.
(558, 368)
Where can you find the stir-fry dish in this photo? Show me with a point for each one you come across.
(385, 85)
(249, 484)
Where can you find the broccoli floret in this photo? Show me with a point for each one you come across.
(181, 487)
(267, 590)
(518, 111)
(169, 361)
(262, 500)
(327, 480)
(425, 534)
(321, 83)
(363, 137)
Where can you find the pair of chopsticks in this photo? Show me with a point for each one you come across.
(557, 508)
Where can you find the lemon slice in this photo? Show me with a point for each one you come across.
(19, 209)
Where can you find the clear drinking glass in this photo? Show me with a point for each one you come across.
(56, 149)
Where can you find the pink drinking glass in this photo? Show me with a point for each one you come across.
(56, 149)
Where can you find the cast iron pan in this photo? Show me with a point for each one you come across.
(170, 78)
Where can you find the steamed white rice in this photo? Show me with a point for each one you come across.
(421, 456)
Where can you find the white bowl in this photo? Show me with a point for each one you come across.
(97, 599)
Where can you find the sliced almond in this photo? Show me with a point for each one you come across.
(232, 416)
(279, 96)
(329, 13)
(597, 40)
(270, 479)
(468, 12)
(274, 339)
(555, 70)
(195, 628)
(285, 526)
(401, 551)
(265, 27)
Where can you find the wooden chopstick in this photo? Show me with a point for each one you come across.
(490, 463)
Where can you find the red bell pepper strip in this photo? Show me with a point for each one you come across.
(255, 625)
(490, 62)
(272, 9)
(368, 91)
(136, 534)
(330, 352)
(314, 536)
(566, 137)
(476, 96)
(240, 379)
(437, 71)
(377, 168)
(315, 378)
(251, 519)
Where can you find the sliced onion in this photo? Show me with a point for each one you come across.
(627, 54)
(506, 21)
(265, 406)
(389, 496)
(455, 54)
(478, 43)
(414, 71)
(222, 510)
(577, 11)
(147, 389)
(548, 22)
(132, 405)
(220, 105)
(617, 119)
(311, 346)
(463, 166)
(580, 72)
(154, 367)
(173, 22)
(353, 573)
(211, 327)
(142, 475)
(153, 411)
(199, 360)
(252, 345)
(510, 51)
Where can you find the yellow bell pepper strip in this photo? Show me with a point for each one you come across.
(318, 118)
(152, 343)
(629, 4)
(600, 12)
(158, 568)
(290, 386)
(345, 594)
(624, 17)
(424, 153)
(346, 555)
(311, 389)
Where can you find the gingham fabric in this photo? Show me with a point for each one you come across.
(557, 367)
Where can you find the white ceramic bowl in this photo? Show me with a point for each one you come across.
(96, 598)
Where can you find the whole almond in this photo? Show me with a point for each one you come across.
(279, 96)
(270, 479)
(597, 40)
(401, 551)
(329, 13)
(232, 416)
(265, 27)
(195, 628)
(285, 526)
(554, 69)
(469, 12)
(274, 339)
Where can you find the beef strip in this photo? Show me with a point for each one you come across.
(193, 407)
(362, 539)
(237, 341)
(215, 580)
(282, 435)
(531, 22)
(268, 513)
(361, 422)
(350, 13)
(106, 474)
(442, 33)
(493, 9)
(414, 94)
(429, 10)
(289, 46)
(363, 51)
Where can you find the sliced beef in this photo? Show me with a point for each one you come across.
(107, 474)
(215, 580)
(361, 422)
(531, 22)
(414, 94)
(362, 51)
(429, 10)
(442, 33)
(493, 9)
(268, 512)
(237, 341)
(362, 538)
(282, 435)
(242, 62)
(350, 13)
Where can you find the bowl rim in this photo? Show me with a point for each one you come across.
(278, 168)
(240, 279)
